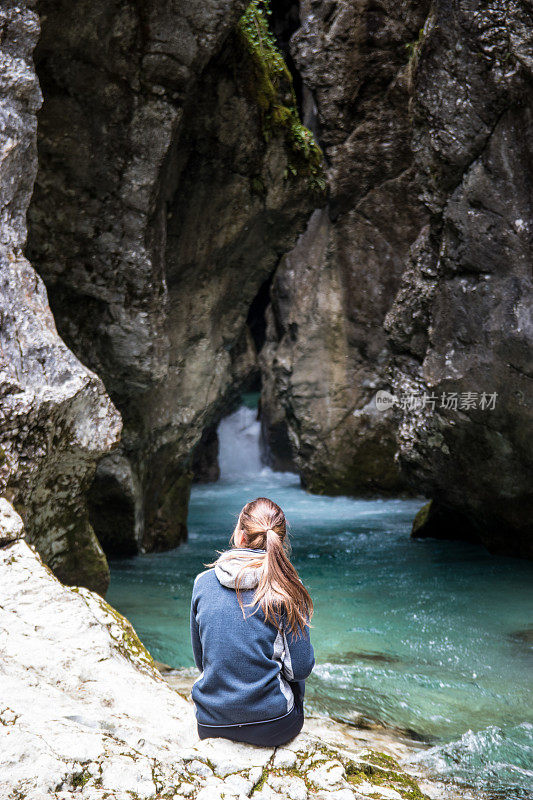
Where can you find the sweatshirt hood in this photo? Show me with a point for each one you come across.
(228, 568)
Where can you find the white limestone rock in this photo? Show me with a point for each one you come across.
(11, 525)
(239, 784)
(229, 757)
(371, 790)
(78, 690)
(284, 758)
(131, 773)
(289, 786)
(328, 775)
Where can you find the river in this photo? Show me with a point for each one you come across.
(435, 637)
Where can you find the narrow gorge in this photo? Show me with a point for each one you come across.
(174, 178)
(309, 203)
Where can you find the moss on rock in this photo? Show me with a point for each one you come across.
(269, 83)
(382, 770)
(79, 779)
(125, 639)
(420, 520)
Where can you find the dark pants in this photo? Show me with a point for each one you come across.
(267, 734)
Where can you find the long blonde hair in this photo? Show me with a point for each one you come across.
(263, 526)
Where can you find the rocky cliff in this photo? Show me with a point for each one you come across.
(461, 323)
(56, 420)
(327, 352)
(173, 174)
(174, 180)
(417, 277)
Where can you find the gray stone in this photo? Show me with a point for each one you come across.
(461, 320)
(56, 420)
(161, 205)
(327, 352)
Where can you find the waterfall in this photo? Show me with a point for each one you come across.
(239, 455)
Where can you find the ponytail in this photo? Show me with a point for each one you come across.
(280, 594)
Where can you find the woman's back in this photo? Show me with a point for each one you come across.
(249, 631)
(247, 663)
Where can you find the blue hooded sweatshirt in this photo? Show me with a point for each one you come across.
(247, 665)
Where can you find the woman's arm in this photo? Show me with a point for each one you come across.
(195, 638)
(299, 658)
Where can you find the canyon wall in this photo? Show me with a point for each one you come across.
(179, 223)
(417, 276)
(173, 174)
(327, 352)
(461, 323)
(56, 420)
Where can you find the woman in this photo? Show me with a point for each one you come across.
(250, 618)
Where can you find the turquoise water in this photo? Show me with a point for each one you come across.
(424, 635)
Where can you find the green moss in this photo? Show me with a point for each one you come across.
(380, 774)
(128, 643)
(382, 759)
(421, 518)
(271, 76)
(80, 779)
(269, 84)
(413, 48)
(378, 768)
(258, 185)
(261, 782)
